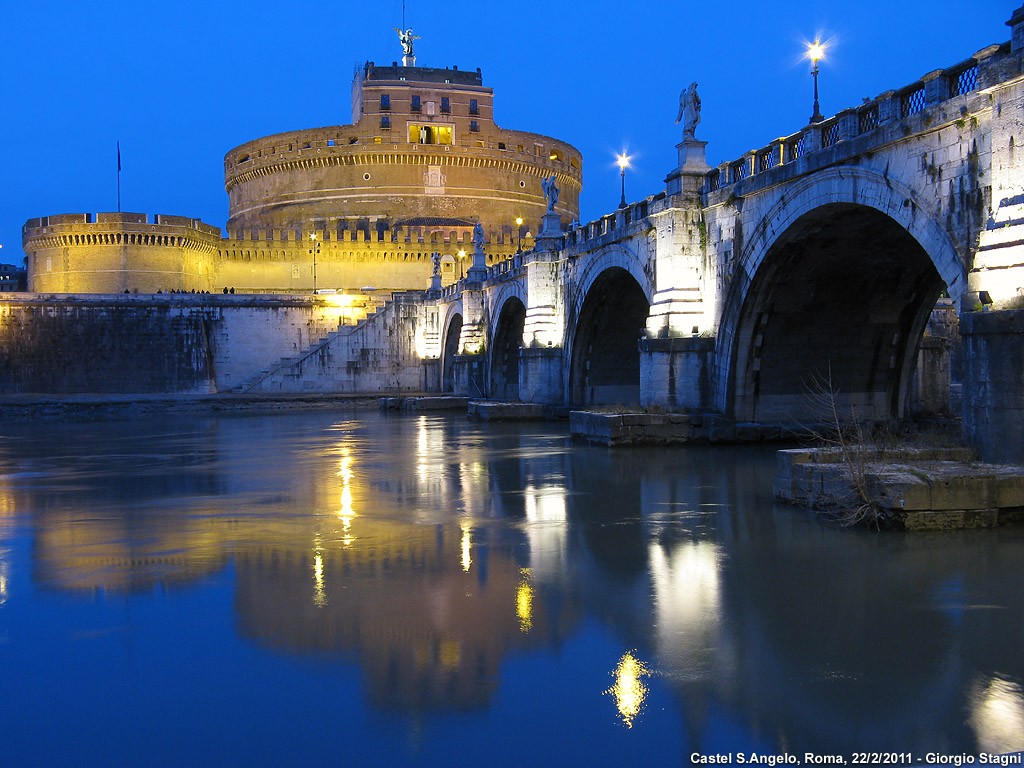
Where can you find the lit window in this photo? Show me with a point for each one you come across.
(474, 108)
(430, 134)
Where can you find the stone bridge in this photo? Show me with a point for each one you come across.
(812, 261)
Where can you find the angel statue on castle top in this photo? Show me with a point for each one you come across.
(406, 37)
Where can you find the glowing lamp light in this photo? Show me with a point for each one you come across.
(815, 52)
(622, 161)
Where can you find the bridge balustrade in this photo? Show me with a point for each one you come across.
(954, 81)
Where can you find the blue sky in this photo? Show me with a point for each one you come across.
(179, 84)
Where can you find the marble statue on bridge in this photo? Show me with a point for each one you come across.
(689, 111)
(550, 191)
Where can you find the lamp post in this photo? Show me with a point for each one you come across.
(814, 53)
(462, 255)
(519, 232)
(623, 163)
(314, 250)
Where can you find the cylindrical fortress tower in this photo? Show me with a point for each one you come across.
(114, 252)
(423, 149)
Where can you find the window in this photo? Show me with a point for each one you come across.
(474, 108)
(415, 103)
(385, 121)
(446, 105)
(474, 126)
(330, 142)
(385, 102)
(430, 134)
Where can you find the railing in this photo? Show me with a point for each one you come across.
(949, 83)
(829, 134)
(504, 267)
(620, 220)
(964, 82)
(912, 101)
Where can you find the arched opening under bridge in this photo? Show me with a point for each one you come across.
(834, 313)
(605, 365)
(505, 346)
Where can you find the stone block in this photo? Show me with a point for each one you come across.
(899, 490)
(950, 519)
(1009, 490)
(961, 493)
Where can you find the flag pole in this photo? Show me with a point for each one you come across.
(119, 177)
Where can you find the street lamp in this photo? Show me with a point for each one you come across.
(519, 232)
(314, 250)
(623, 163)
(462, 255)
(814, 53)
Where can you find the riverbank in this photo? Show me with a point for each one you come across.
(87, 407)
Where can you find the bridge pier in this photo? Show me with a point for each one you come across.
(540, 375)
(676, 373)
(993, 397)
(470, 374)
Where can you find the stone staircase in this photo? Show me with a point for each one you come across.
(361, 313)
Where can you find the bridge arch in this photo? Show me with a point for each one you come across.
(832, 290)
(505, 339)
(612, 299)
(450, 344)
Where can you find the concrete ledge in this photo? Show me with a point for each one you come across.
(426, 403)
(610, 428)
(631, 428)
(912, 489)
(489, 410)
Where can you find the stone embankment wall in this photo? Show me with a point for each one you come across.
(168, 343)
(993, 390)
(379, 354)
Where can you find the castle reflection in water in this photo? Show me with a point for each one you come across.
(429, 551)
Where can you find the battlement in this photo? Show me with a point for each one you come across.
(452, 76)
(460, 236)
(157, 227)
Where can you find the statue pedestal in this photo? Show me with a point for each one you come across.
(691, 156)
(689, 175)
(550, 225)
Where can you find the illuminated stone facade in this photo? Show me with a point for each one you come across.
(356, 208)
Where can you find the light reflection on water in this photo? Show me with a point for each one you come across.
(427, 582)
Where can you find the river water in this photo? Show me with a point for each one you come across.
(354, 588)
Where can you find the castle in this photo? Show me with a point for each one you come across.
(357, 208)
